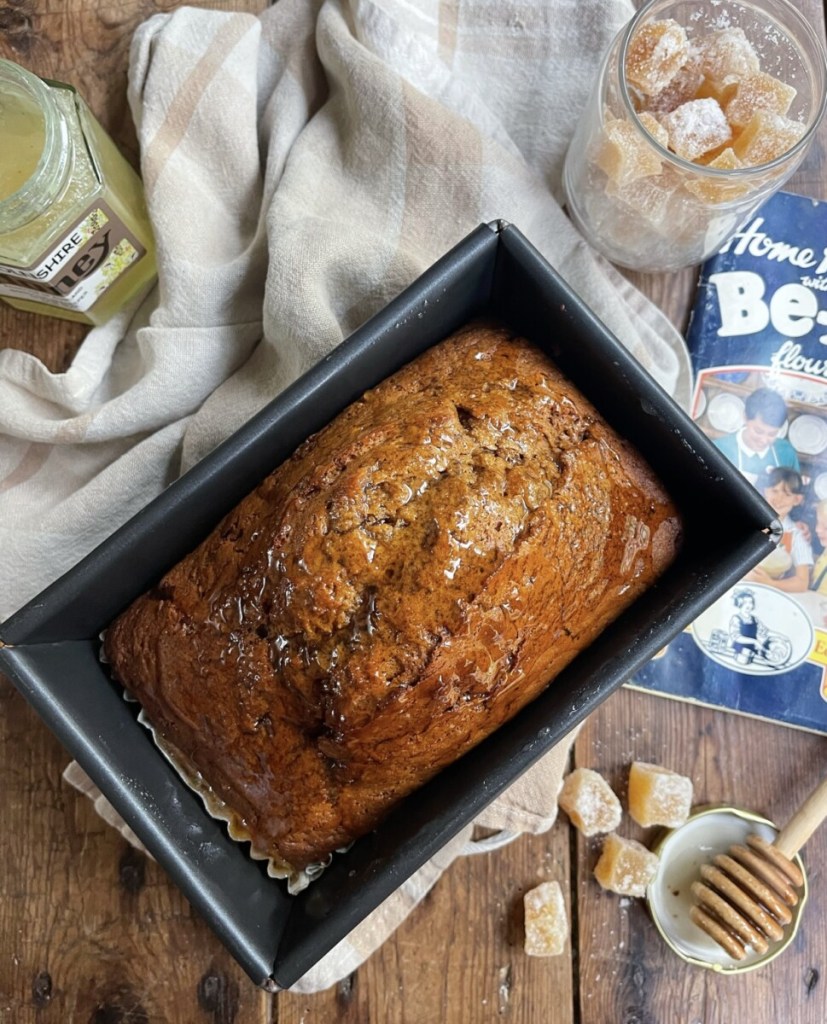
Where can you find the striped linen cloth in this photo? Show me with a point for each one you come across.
(302, 168)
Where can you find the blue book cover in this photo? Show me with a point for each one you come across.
(758, 342)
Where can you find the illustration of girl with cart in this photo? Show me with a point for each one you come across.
(747, 634)
(749, 638)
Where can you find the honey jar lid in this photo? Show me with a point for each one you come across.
(681, 852)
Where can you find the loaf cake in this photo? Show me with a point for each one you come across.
(412, 576)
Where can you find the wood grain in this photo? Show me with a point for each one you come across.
(732, 760)
(459, 957)
(92, 932)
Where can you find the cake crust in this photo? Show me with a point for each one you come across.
(412, 576)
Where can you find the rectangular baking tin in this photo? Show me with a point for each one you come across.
(51, 645)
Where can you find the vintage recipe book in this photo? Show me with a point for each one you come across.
(758, 341)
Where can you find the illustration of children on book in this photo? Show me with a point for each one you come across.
(756, 446)
(789, 566)
(819, 579)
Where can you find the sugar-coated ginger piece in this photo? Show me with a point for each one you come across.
(546, 923)
(625, 866)
(765, 137)
(590, 802)
(658, 796)
(656, 52)
(758, 92)
(655, 128)
(648, 198)
(624, 153)
(722, 92)
(723, 160)
(713, 190)
(727, 55)
(696, 127)
(683, 87)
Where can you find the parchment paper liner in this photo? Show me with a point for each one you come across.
(216, 807)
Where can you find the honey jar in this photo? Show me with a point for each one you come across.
(75, 238)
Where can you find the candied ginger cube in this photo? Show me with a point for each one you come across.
(726, 160)
(758, 92)
(765, 137)
(656, 52)
(696, 127)
(590, 802)
(720, 91)
(715, 190)
(647, 197)
(625, 866)
(655, 128)
(625, 154)
(683, 87)
(546, 923)
(727, 55)
(658, 796)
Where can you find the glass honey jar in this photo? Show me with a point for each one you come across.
(75, 238)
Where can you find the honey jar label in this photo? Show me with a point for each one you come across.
(80, 266)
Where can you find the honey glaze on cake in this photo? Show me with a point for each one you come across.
(403, 584)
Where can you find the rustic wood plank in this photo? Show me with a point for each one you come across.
(459, 957)
(91, 931)
(626, 972)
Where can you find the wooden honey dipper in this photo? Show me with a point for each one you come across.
(745, 897)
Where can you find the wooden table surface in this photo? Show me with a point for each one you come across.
(92, 932)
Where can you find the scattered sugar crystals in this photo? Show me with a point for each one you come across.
(658, 132)
(765, 137)
(658, 796)
(625, 155)
(727, 103)
(625, 866)
(705, 93)
(655, 55)
(683, 87)
(546, 923)
(590, 802)
(720, 91)
(721, 189)
(727, 54)
(758, 92)
(696, 127)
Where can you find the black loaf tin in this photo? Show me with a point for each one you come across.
(50, 647)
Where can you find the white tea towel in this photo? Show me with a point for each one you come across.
(301, 168)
